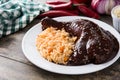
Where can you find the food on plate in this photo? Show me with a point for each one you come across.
(93, 44)
(55, 45)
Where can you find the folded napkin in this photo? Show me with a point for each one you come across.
(16, 14)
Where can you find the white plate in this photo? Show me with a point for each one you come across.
(30, 51)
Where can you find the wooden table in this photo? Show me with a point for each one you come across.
(14, 65)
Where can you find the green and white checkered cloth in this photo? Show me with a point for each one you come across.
(16, 14)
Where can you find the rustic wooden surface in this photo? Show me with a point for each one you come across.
(14, 65)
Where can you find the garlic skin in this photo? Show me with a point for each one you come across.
(109, 5)
(104, 6)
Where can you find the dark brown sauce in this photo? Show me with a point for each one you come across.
(93, 44)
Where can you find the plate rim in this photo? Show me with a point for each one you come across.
(24, 52)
